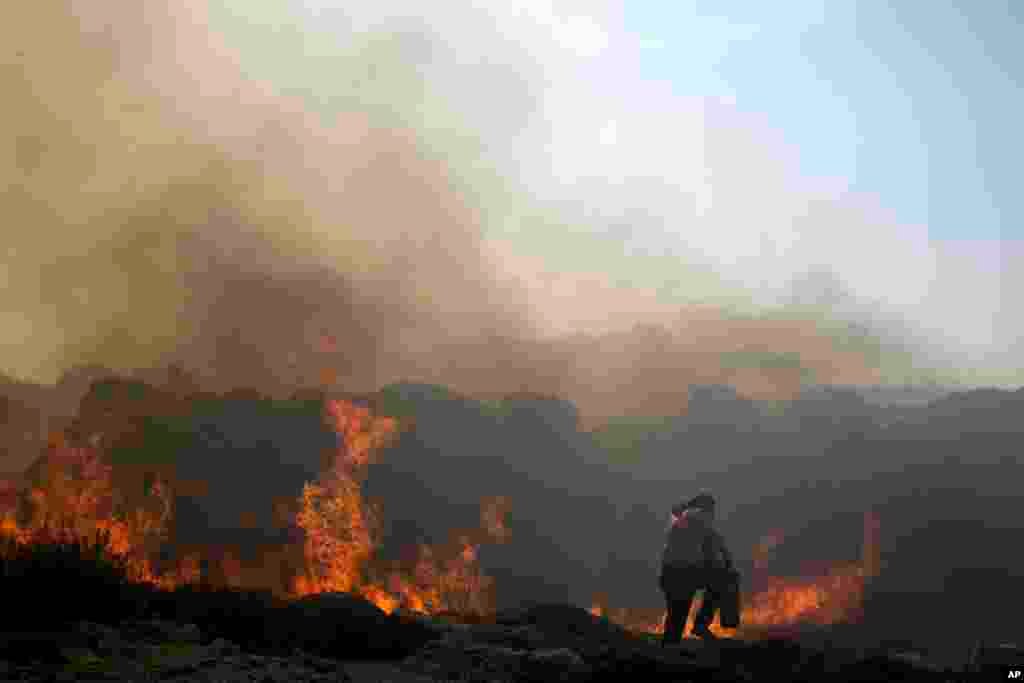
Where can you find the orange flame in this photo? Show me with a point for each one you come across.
(835, 596)
(342, 532)
(829, 599)
(73, 496)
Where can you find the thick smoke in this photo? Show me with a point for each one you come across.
(163, 209)
(167, 199)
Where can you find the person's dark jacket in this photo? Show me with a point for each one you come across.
(693, 542)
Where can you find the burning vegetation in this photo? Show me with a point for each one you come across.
(342, 531)
(832, 598)
(79, 492)
(832, 594)
(74, 494)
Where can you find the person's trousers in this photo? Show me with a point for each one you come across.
(680, 585)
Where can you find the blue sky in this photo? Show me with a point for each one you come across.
(921, 108)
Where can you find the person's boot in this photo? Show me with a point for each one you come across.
(703, 632)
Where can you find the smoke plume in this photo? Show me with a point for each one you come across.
(190, 183)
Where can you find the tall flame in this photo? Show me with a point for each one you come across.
(342, 533)
(73, 497)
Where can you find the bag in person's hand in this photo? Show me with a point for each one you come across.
(729, 610)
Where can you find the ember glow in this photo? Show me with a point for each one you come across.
(821, 601)
(832, 596)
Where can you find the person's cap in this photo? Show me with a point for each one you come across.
(704, 501)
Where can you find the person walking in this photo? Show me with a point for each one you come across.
(694, 558)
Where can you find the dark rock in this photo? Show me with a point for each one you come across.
(96, 633)
(352, 608)
(223, 648)
(530, 644)
(986, 657)
(38, 646)
(560, 664)
(515, 637)
(160, 631)
(567, 624)
(535, 644)
(645, 662)
(141, 650)
(484, 662)
(880, 668)
(348, 626)
(317, 664)
(438, 627)
(554, 642)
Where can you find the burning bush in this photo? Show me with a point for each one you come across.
(832, 595)
(342, 532)
(99, 479)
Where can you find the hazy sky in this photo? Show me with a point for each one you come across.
(918, 105)
(753, 143)
(543, 168)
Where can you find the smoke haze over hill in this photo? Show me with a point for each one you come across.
(184, 186)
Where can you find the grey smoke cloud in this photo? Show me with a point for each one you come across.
(449, 192)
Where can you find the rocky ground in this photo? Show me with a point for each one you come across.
(564, 643)
(151, 651)
(543, 643)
